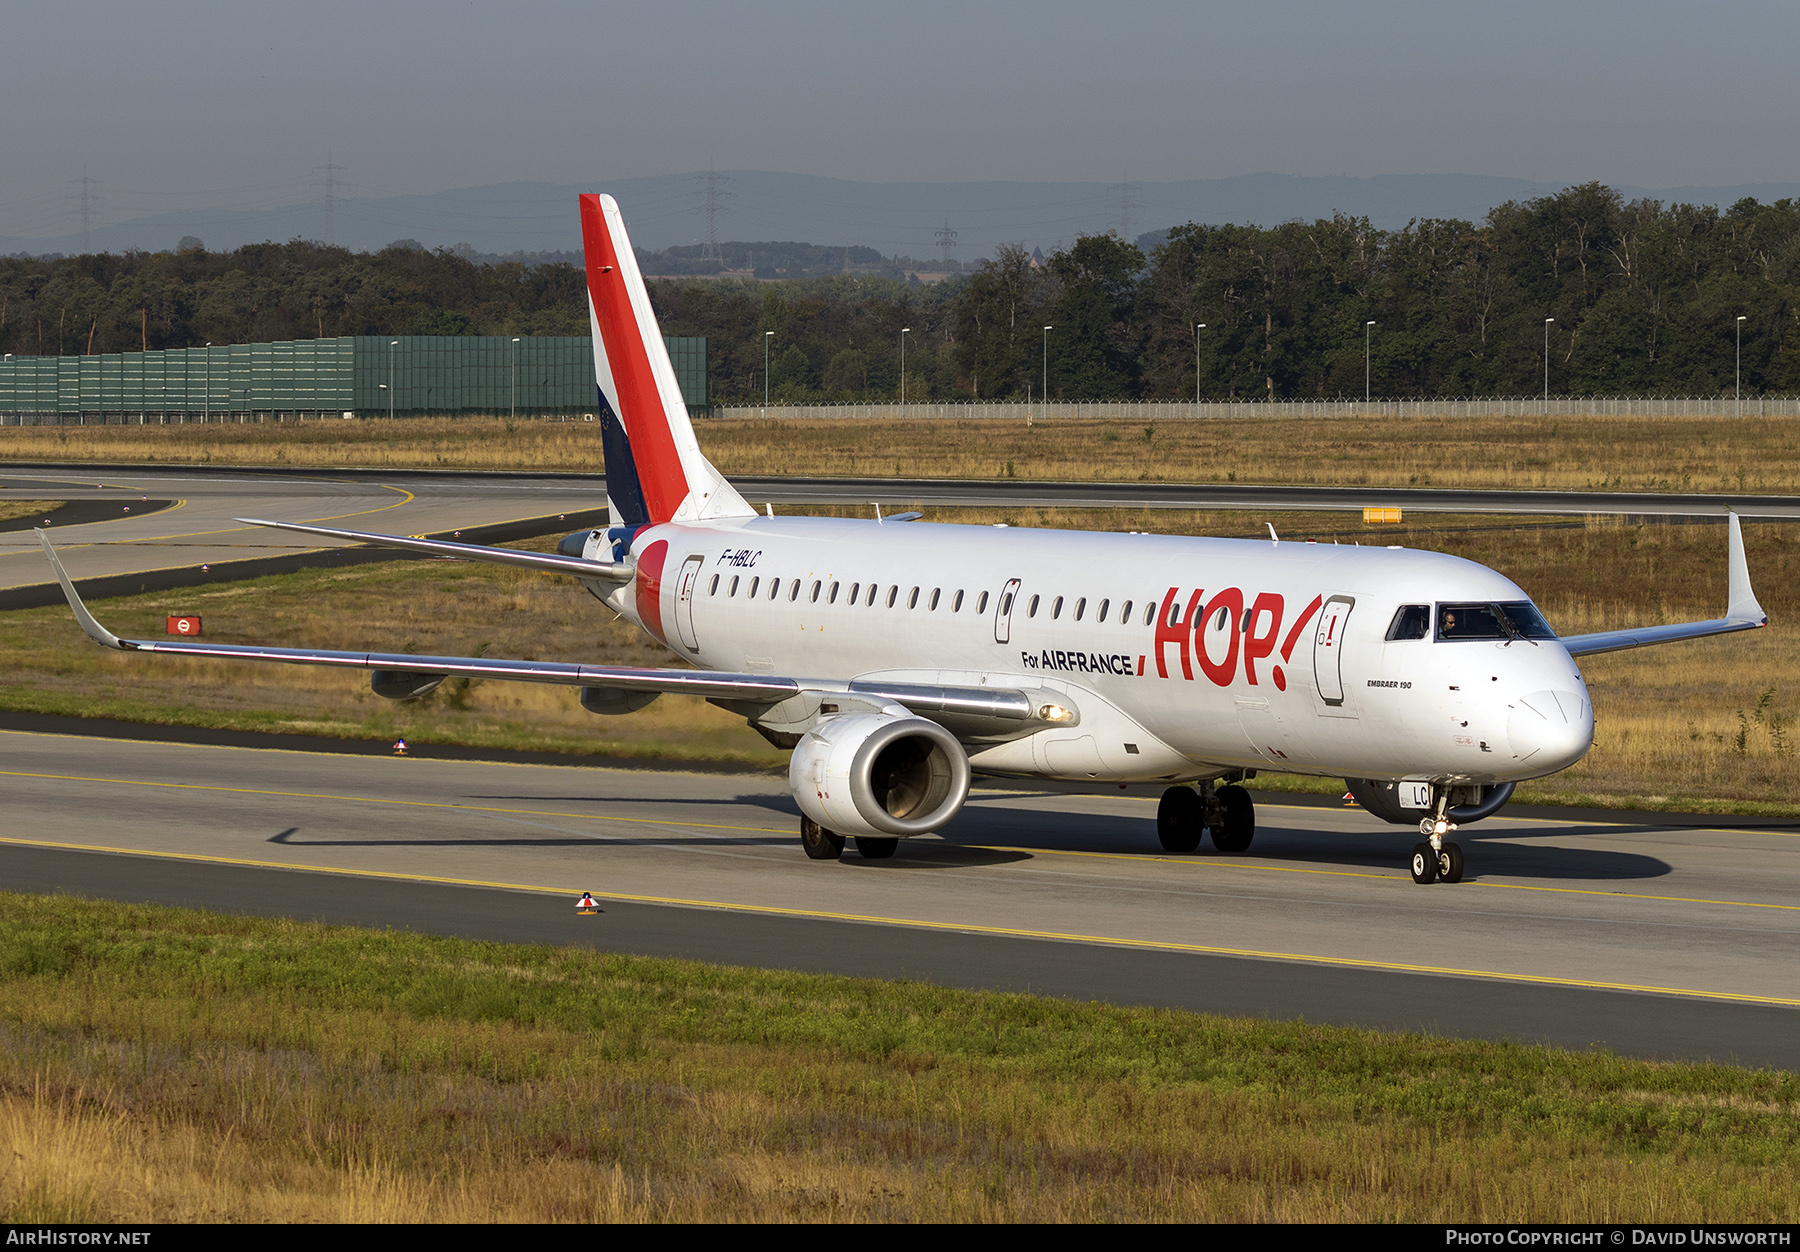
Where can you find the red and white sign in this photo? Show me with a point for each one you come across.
(184, 625)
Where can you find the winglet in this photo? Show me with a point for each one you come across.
(95, 631)
(1741, 605)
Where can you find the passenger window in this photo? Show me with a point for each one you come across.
(774, 588)
(754, 584)
(981, 604)
(834, 591)
(1056, 609)
(1080, 607)
(1125, 614)
(1411, 621)
(713, 590)
(935, 593)
(956, 604)
(872, 590)
(1174, 613)
(1219, 622)
(817, 586)
(1150, 613)
(855, 590)
(794, 591)
(1101, 615)
(1031, 610)
(912, 601)
(734, 585)
(893, 594)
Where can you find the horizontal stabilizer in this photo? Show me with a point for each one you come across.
(578, 566)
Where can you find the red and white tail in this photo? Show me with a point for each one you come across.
(638, 382)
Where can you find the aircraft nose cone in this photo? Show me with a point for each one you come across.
(1550, 730)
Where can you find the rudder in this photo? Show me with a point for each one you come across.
(637, 380)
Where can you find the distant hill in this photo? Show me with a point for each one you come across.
(893, 219)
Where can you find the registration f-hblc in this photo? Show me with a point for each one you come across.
(895, 658)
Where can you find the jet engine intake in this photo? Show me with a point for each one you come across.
(879, 775)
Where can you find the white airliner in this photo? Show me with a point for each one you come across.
(896, 658)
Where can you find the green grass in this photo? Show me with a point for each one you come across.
(456, 1069)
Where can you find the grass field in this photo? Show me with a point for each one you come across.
(1702, 725)
(1620, 453)
(170, 1065)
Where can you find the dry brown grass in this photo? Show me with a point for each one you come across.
(166, 1065)
(9, 509)
(1622, 453)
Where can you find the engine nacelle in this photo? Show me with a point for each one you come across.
(875, 775)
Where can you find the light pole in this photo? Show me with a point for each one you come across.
(767, 335)
(1198, 327)
(1737, 391)
(392, 344)
(515, 379)
(1367, 326)
(904, 332)
(1547, 322)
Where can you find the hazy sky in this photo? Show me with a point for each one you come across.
(188, 103)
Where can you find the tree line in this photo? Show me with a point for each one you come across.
(1630, 297)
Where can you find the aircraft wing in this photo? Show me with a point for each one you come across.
(980, 710)
(1742, 612)
(580, 568)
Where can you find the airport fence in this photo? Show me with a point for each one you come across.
(1129, 411)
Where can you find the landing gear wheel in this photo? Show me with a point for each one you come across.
(1424, 864)
(876, 849)
(820, 844)
(1180, 819)
(1239, 827)
(1450, 863)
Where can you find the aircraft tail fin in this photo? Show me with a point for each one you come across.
(637, 383)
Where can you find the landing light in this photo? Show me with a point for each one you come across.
(1054, 713)
(1441, 827)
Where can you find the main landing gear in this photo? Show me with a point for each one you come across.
(1186, 814)
(1435, 859)
(827, 845)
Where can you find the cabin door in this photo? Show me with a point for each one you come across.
(685, 590)
(1328, 648)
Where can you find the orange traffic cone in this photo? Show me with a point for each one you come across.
(586, 906)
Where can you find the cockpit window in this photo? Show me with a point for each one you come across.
(1517, 619)
(1411, 621)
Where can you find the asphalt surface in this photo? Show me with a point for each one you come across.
(1648, 939)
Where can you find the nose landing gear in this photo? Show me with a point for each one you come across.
(1436, 859)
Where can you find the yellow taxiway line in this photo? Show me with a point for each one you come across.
(1012, 932)
(1150, 858)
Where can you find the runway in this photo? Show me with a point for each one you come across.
(1648, 939)
(200, 528)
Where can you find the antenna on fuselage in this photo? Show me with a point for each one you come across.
(769, 505)
(877, 505)
(1273, 537)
